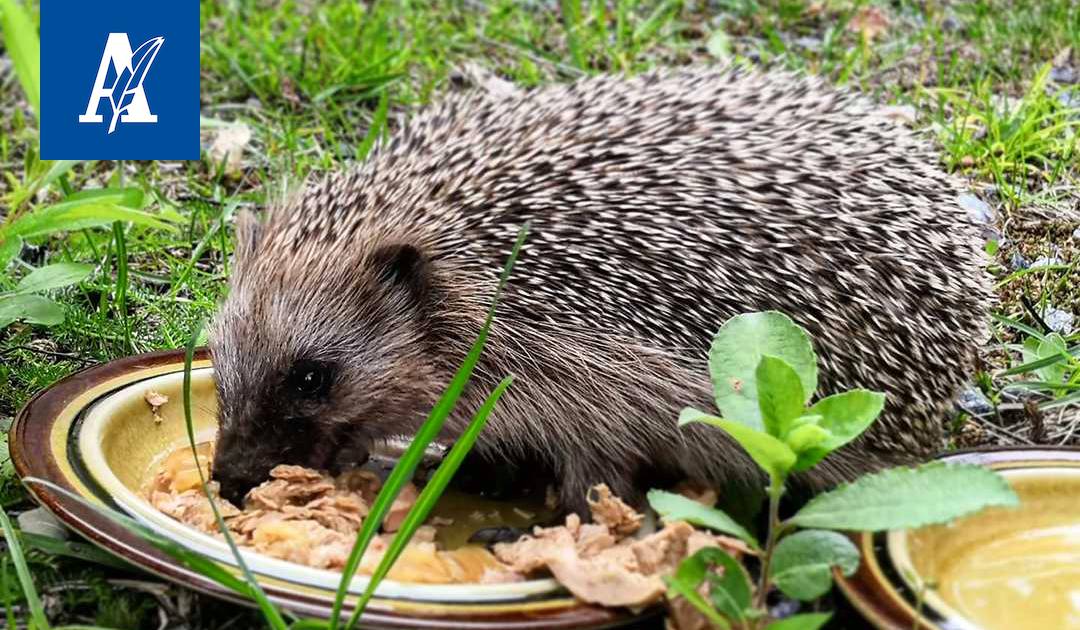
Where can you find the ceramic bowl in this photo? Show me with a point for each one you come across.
(1003, 568)
(95, 435)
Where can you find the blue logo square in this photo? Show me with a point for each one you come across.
(120, 80)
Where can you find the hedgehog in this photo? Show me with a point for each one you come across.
(660, 205)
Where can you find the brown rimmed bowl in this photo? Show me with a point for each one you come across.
(94, 435)
(971, 574)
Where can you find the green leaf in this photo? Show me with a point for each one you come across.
(37, 611)
(53, 277)
(780, 395)
(845, 416)
(9, 249)
(901, 498)
(730, 591)
(805, 583)
(129, 197)
(802, 562)
(21, 42)
(774, 457)
(33, 309)
(807, 437)
(83, 212)
(676, 507)
(848, 414)
(1053, 346)
(736, 352)
(805, 621)
(678, 586)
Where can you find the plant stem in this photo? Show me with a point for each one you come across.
(776, 490)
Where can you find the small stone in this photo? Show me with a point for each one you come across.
(1070, 99)
(1058, 320)
(977, 209)
(41, 522)
(974, 402)
(807, 42)
(1066, 75)
(1045, 261)
(1076, 234)
(1017, 262)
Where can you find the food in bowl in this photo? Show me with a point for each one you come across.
(308, 517)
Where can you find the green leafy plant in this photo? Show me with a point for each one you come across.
(764, 373)
(26, 302)
(1053, 359)
(87, 209)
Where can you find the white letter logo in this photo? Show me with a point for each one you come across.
(125, 95)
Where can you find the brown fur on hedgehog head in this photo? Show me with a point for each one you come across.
(316, 357)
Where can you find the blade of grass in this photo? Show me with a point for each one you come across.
(1061, 402)
(1022, 327)
(33, 602)
(5, 583)
(196, 253)
(406, 466)
(21, 42)
(122, 283)
(269, 610)
(1034, 365)
(572, 20)
(429, 496)
(378, 125)
(80, 551)
(76, 215)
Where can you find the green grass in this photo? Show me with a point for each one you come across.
(318, 82)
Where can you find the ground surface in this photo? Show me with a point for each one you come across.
(293, 88)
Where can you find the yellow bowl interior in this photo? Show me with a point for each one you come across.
(1005, 568)
(134, 442)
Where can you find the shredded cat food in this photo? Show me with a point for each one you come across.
(307, 517)
(304, 516)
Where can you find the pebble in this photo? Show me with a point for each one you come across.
(1017, 262)
(977, 209)
(1059, 321)
(1076, 234)
(1065, 75)
(41, 522)
(974, 402)
(808, 43)
(1045, 261)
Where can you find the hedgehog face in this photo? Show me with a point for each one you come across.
(314, 364)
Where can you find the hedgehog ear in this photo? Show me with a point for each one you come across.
(403, 266)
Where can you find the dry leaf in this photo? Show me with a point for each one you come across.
(228, 146)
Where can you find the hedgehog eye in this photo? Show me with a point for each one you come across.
(310, 379)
